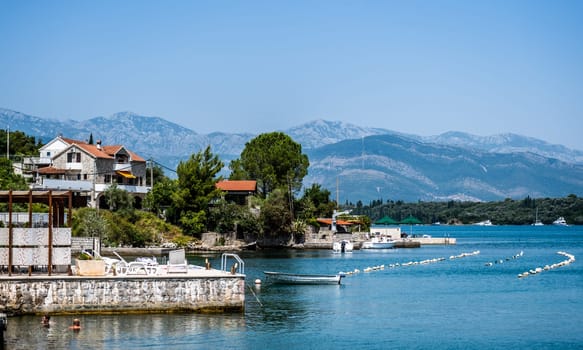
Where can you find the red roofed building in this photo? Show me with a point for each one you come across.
(87, 169)
(341, 225)
(238, 190)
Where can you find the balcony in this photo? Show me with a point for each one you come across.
(122, 166)
(129, 188)
(56, 184)
(74, 166)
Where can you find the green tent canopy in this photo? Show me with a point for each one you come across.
(386, 220)
(411, 220)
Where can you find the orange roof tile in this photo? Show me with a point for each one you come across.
(102, 152)
(72, 141)
(338, 222)
(51, 170)
(94, 150)
(237, 185)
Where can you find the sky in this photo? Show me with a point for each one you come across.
(418, 67)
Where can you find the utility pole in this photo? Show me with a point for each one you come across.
(8, 142)
(151, 173)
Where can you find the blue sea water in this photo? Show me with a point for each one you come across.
(456, 303)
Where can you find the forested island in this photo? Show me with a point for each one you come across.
(507, 212)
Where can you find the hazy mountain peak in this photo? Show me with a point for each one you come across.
(321, 132)
(370, 163)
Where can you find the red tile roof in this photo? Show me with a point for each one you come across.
(103, 152)
(238, 185)
(51, 170)
(94, 150)
(72, 141)
(338, 222)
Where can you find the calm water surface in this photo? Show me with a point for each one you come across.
(452, 304)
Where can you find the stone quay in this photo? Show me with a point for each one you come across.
(198, 291)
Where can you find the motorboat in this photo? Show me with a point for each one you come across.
(560, 222)
(378, 242)
(343, 246)
(296, 278)
(484, 223)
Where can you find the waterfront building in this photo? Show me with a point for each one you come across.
(87, 169)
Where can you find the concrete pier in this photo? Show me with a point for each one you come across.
(434, 240)
(196, 291)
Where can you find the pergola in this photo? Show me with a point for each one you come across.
(56, 201)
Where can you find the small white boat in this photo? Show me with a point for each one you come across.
(378, 242)
(484, 223)
(295, 278)
(537, 222)
(343, 246)
(560, 222)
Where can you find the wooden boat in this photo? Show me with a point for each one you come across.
(295, 278)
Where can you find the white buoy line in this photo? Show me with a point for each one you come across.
(500, 261)
(409, 263)
(570, 259)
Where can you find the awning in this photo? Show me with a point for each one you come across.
(126, 174)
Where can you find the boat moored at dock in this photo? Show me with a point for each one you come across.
(343, 246)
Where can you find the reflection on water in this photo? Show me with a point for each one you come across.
(109, 331)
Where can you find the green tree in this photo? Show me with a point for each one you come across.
(118, 199)
(157, 175)
(20, 143)
(197, 180)
(88, 223)
(274, 160)
(316, 202)
(275, 217)
(159, 199)
(8, 179)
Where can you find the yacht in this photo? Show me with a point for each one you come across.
(560, 222)
(484, 223)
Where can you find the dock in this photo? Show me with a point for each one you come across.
(434, 240)
(137, 287)
(407, 244)
(197, 290)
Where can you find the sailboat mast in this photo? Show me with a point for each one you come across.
(337, 195)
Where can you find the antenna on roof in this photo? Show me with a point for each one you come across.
(98, 144)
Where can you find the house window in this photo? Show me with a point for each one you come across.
(74, 157)
(84, 176)
(107, 179)
(48, 153)
(122, 159)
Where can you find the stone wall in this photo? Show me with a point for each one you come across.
(74, 295)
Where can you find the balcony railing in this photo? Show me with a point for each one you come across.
(74, 166)
(73, 185)
(79, 185)
(122, 166)
(129, 188)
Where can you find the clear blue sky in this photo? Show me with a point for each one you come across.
(421, 67)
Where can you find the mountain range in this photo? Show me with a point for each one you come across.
(354, 162)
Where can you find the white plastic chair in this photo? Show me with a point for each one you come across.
(134, 268)
(177, 261)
